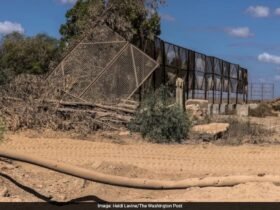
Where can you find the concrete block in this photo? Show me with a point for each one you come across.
(210, 131)
(209, 109)
(242, 110)
(223, 109)
(230, 109)
(215, 109)
(201, 103)
(253, 106)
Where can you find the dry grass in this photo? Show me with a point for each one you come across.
(244, 131)
(263, 110)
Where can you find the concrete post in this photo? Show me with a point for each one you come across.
(180, 93)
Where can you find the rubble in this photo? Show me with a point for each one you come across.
(197, 109)
(22, 107)
(210, 131)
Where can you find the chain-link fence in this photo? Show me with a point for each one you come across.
(103, 68)
(206, 77)
(261, 91)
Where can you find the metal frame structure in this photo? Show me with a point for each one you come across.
(102, 68)
(103, 65)
(206, 77)
(261, 91)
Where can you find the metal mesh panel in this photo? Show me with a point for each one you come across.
(261, 91)
(191, 60)
(217, 66)
(184, 58)
(190, 81)
(122, 79)
(56, 84)
(226, 69)
(86, 63)
(171, 76)
(233, 85)
(103, 65)
(116, 82)
(200, 82)
(233, 70)
(143, 64)
(101, 68)
(209, 65)
(226, 85)
(218, 84)
(210, 82)
(172, 55)
(199, 62)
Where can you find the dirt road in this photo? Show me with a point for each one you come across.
(129, 156)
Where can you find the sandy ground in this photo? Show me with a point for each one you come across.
(129, 156)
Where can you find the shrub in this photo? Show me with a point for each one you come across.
(263, 110)
(276, 107)
(159, 120)
(244, 131)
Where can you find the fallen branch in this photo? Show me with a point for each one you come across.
(105, 107)
(136, 183)
(12, 99)
(97, 114)
(106, 124)
(115, 108)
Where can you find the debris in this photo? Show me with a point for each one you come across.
(197, 109)
(22, 107)
(124, 133)
(210, 131)
(242, 110)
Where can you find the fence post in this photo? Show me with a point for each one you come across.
(162, 46)
(205, 79)
(251, 90)
(229, 82)
(188, 75)
(262, 92)
(213, 80)
(194, 75)
(222, 83)
(238, 85)
(180, 95)
(273, 89)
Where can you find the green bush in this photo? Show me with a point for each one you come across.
(159, 120)
(263, 110)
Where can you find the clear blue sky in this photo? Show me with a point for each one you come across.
(246, 32)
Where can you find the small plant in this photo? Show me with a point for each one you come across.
(263, 110)
(159, 120)
(244, 131)
(276, 107)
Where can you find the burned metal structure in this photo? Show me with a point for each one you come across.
(105, 68)
(206, 77)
